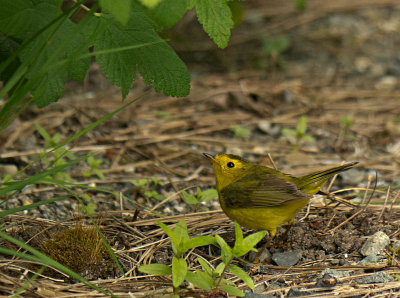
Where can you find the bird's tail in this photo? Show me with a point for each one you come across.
(311, 183)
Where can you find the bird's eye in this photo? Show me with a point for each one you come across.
(230, 164)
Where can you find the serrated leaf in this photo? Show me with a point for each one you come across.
(216, 18)
(226, 251)
(240, 273)
(149, 54)
(209, 194)
(198, 241)
(200, 279)
(207, 269)
(248, 243)
(232, 290)
(120, 9)
(169, 12)
(155, 269)
(179, 270)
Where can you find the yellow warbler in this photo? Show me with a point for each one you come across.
(261, 198)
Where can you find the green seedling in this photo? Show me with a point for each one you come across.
(58, 156)
(181, 243)
(160, 114)
(272, 50)
(300, 4)
(208, 278)
(89, 207)
(212, 279)
(241, 133)
(298, 136)
(94, 168)
(347, 123)
(147, 188)
(202, 196)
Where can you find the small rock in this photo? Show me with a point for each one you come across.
(335, 273)
(352, 177)
(335, 262)
(387, 83)
(264, 126)
(264, 258)
(293, 292)
(375, 244)
(326, 281)
(6, 169)
(287, 258)
(369, 260)
(396, 245)
(379, 277)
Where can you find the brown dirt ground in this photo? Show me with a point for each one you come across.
(342, 61)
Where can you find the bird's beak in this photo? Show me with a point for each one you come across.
(210, 157)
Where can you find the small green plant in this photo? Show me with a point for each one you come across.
(160, 114)
(202, 196)
(94, 168)
(147, 188)
(272, 49)
(181, 243)
(347, 123)
(300, 4)
(209, 279)
(58, 156)
(89, 207)
(296, 137)
(241, 133)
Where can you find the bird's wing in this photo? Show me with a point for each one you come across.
(261, 190)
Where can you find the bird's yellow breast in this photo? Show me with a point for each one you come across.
(265, 218)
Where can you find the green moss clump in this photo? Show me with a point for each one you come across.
(82, 250)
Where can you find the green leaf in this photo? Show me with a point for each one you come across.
(120, 9)
(151, 56)
(286, 132)
(207, 269)
(45, 135)
(200, 279)
(226, 251)
(151, 3)
(216, 18)
(308, 138)
(198, 241)
(301, 127)
(232, 290)
(219, 269)
(208, 195)
(238, 238)
(171, 234)
(179, 270)
(155, 269)
(169, 12)
(248, 243)
(182, 235)
(242, 275)
(190, 199)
